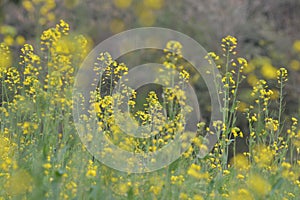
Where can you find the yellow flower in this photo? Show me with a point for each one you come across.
(184, 75)
(294, 120)
(29, 127)
(253, 118)
(236, 132)
(242, 63)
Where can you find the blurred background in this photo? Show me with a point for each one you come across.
(262, 27)
(268, 32)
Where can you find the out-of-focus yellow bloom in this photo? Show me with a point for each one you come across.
(5, 57)
(47, 165)
(250, 68)
(240, 162)
(116, 25)
(263, 156)
(183, 196)
(7, 150)
(242, 106)
(20, 40)
(155, 189)
(8, 40)
(268, 71)
(259, 185)
(296, 140)
(19, 183)
(275, 95)
(197, 197)
(123, 4)
(296, 46)
(8, 30)
(295, 65)
(28, 5)
(241, 194)
(91, 173)
(177, 179)
(252, 79)
(71, 3)
(92, 169)
(121, 188)
(194, 171)
(146, 18)
(154, 4)
(44, 8)
(64, 46)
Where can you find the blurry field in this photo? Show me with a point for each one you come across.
(43, 43)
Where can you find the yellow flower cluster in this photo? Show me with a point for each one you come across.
(271, 124)
(282, 75)
(264, 93)
(50, 37)
(263, 156)
(41, 152)
(45, 9)
(294, 134)
(5, 57)
(229, 44)
(173, 49)
(195, 172)
(92, 170)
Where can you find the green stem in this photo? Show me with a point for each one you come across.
(280, 107)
